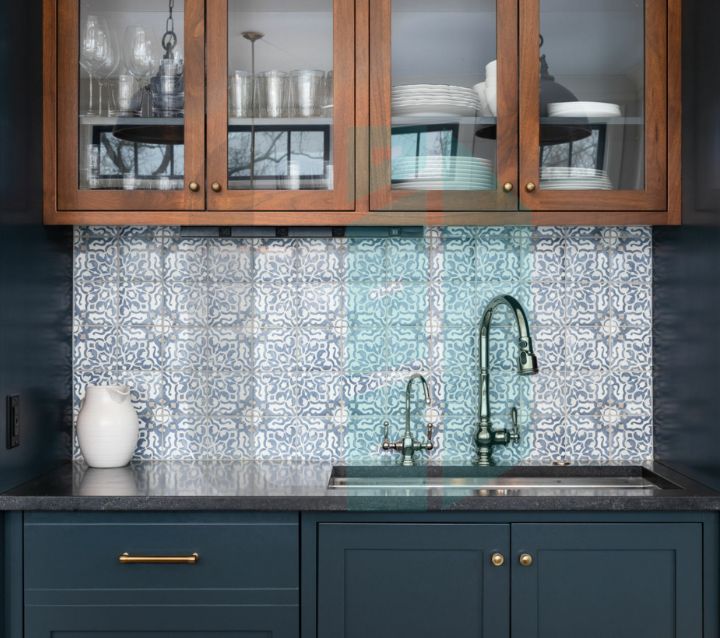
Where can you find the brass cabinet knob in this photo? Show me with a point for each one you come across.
(530, 187)
(526, 560)
(508, 187)
(497, 559)
(194, 187)
(216, 186)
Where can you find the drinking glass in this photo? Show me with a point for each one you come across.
(141, 52)
(108, 56)
(271, 91)
(88, 56)
(241, 87)
(306, 90)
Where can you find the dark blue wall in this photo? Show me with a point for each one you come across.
(687, 270)
(35, 262)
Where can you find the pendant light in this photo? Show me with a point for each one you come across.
(159, 134)
(550, 92)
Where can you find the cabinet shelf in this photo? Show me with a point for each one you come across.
(280, 121)
(101, 120)
(463, 120)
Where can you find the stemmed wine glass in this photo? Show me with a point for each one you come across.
(108, 56)
(89, 61)
(141, 51)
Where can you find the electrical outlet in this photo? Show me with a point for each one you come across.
(12, 421)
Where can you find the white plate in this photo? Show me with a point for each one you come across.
(572, 170)
(442, 186)
(584, 109)
(435, 110)
(444, 159)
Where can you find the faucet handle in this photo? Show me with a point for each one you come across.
(514, 433)
(429, 445)
(386, 438)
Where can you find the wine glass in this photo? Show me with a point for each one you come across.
(88, 56)
(108, 56)
(141, 52)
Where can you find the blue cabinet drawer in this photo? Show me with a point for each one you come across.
(236, 551)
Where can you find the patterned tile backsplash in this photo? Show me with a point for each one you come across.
(301, 348)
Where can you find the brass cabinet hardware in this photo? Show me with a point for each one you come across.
(497, 559)
(530, 187)
(126, 559)
(194, 187)
(526, 560)
(216, 186)
(508, 187)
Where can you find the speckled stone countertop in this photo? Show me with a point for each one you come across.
(294, 486)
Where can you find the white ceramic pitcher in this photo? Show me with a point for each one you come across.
(107, 426)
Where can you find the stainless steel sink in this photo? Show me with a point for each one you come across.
(475, 479)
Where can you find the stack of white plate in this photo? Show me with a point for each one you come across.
(443, 173)
(583, 109)
(574, 179)
(434, 100)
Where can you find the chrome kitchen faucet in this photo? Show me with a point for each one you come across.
(486, 438)
(408, 445)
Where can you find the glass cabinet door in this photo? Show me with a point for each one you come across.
(131, 102)
(280, 105)
(593, 81)
(443, 105)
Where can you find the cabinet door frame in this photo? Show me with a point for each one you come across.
(252, 206)
(70, 197)
(335, 539)
(659, 89)
(382, 196)
(685, 539)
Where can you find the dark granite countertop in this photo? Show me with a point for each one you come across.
(295, 486)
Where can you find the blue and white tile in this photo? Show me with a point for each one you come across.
(186, 261)
(229, 350)
(229, 304)
(320, 261)
(229, 261)
(186, 304)
(141, 301)
(366, 261)
(96, 302)
(407, 259)
(275, 262)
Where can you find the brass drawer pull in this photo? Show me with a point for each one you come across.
(126, 559)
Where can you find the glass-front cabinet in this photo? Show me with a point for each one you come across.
(375, 112)
(443, 91)
(599, 127)
(130, 113)
(281, 79)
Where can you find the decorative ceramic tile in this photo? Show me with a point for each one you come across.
(301, 348)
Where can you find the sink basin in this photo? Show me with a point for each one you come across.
(497, 479)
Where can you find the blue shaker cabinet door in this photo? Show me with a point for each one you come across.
(412, 581)
(607, 580)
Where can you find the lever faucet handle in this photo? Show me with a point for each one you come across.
(514, 434)
(430, 445)
(386, 438)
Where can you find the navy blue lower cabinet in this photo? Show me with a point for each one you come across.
(598, 580)
(401, 580)
(154, 575)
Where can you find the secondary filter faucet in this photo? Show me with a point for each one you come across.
(486, 438)
(407, 446)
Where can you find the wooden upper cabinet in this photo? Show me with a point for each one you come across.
(443, 107)
(595, 126)
(121, 146)
(368, 112)
(289, 146)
